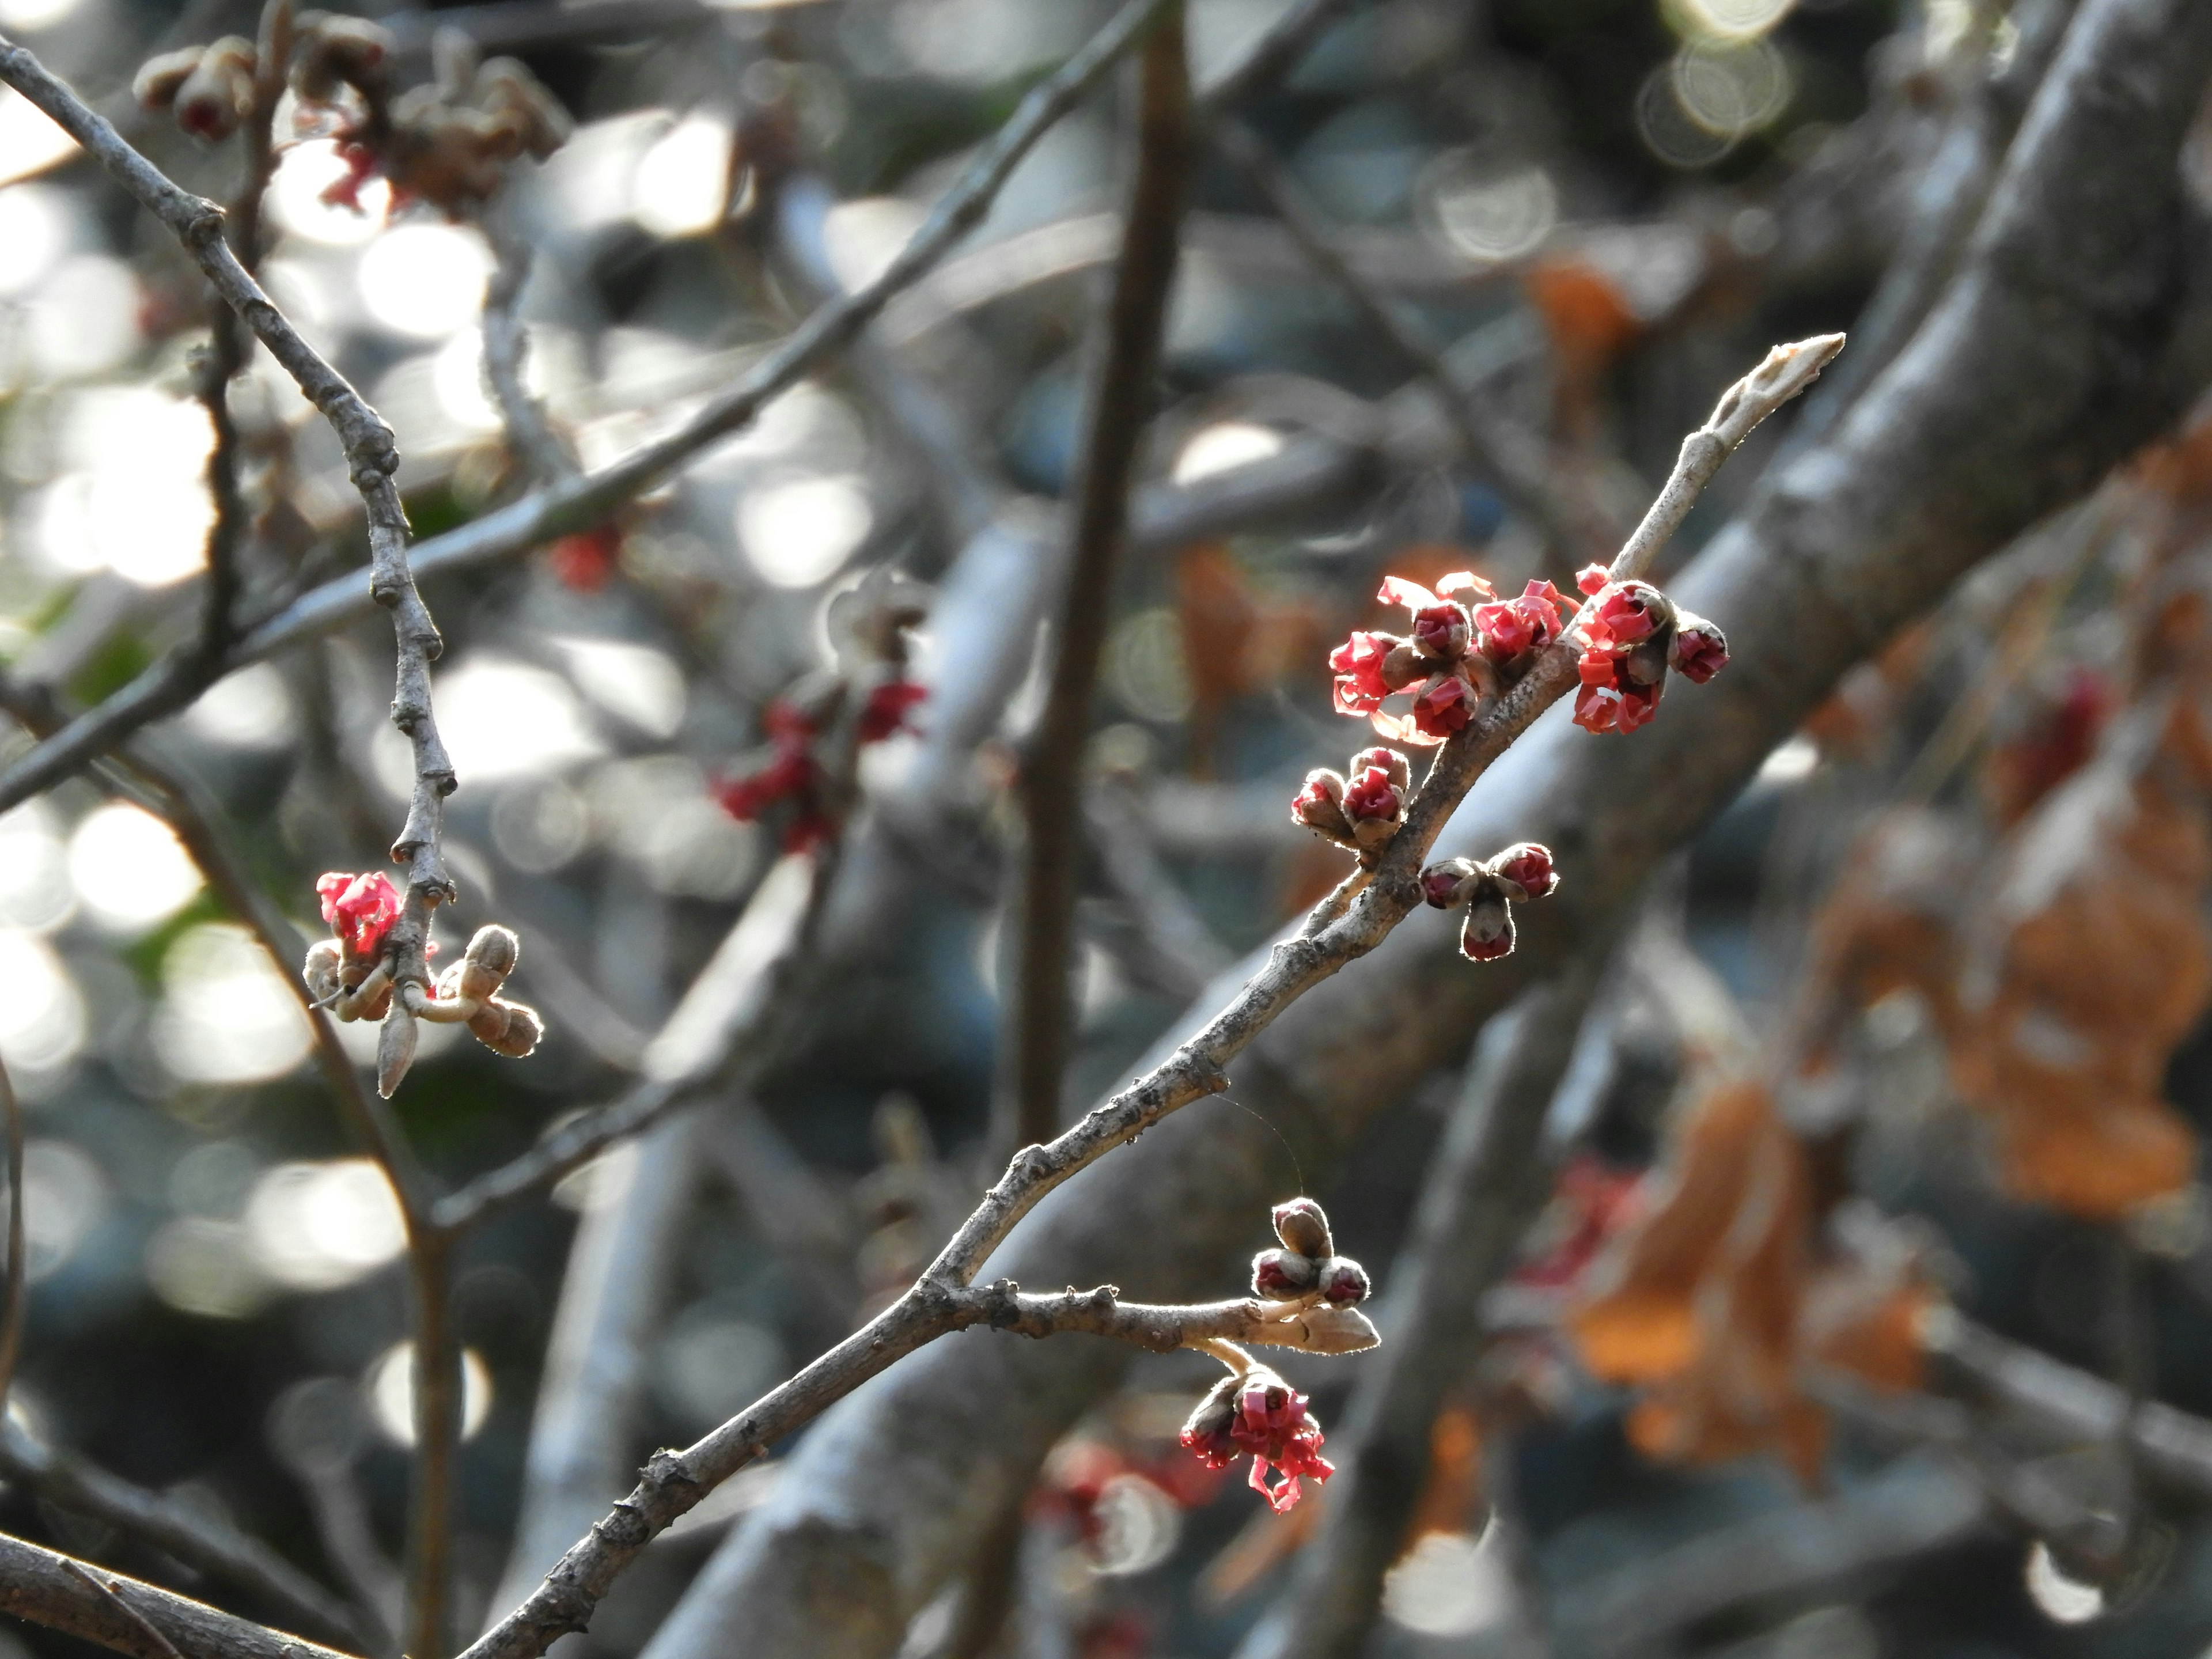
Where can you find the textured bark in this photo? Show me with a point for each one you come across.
(2043, 366)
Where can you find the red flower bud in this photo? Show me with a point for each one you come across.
(1488, 933)
(1371, 796)
(1526, 867)
(1395, 765)
(1446, 704)
(1445, 884)
(1358, 665)
(1442, 630)
(1343, 1282)
(1302, 1226)
(1319, 805)
(1700, 650)
(1591, 578)
(1282, 1275)
(1629, 613)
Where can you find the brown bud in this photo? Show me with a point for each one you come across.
(1488, 933)
(512, 1028)
(1406, 665)
(218, 94)
(395, 1050)
(326, 959)
(507, 92)
(490, 957)
(156, 83)
(334, 53)
(1303, 1227)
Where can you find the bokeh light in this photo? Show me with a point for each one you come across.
(248, 709)
(1224, 446)
(683, 181)
(29, 140)
(129, 868)
(65, 1198)
(635, 684)
(797, 532)
(42, 1016)
(2060, 1596)
(29, 15)
(425, 281)
(227, 1014)
(1449, 1584)
(83, 319)
(390, 1386)
(860, 237)
(1725, 20)
(502, 719)
(36, 223)
(710, 1366)
(318, 1226)
(137, 501)
(199, 1265)
(35, 892)
(295, 197)
(1488, 214)
(1732, 89)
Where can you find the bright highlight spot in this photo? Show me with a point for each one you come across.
(295, 197)
(391, 1389)
(1490, 216)
(681, 182)
(2061, 1599)
(1732, 89)
(1224, 447)
(34, 233)
(65, 1199)
(248, 709)
(1725, 20)
(425, 281)
(227, 1015)
(634, 683)
(319, 1226)
(35, 886)
(1791, 762)
(137, 502)
(1449, 1583)
(42, 1016)
(502, 719)
(129, 868)
(800, 532)
(29, 140)
(34, 13)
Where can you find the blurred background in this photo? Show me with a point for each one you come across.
(1595, 213)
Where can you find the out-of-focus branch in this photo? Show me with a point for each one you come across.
(573, 503)
(1484, 1187)
(1514, 460)
(194, 1537)
(129, 1616)
(1036, 1035)
(530, 436)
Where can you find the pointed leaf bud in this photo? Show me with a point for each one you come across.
(395, 1049)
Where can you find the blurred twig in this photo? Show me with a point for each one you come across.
(1052, 763)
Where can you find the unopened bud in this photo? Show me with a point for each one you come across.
(512, 1028)
(1700, 650)
(395, 1050)
(325, 961)
(156, 83)
(1319, 805)
(1394, 765)
(1283, 1273)
(1449, 883)
(1488, 933)
(1302, 1226)
(1525, 868)
(218, 94)
(1406, 665)
(490, 957)
(1343, 1282)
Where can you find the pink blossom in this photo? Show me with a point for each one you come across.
(1627, 615)
(1609, 700)
(359, 909)
(1512, 627)
(1261, 1414)
(1442, 630)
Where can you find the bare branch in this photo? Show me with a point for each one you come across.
(63, 1593)
(1052, 768)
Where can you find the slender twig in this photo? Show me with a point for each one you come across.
(63, 1593)
(437, 1408)
(1121, 405)
(530, 436)
(196, 1538)
(1514, 459)
(943, 1299)
(109, 1587)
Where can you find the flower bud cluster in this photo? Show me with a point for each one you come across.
(448, 143)
(1465, 644)
(1360, 809)
(1307, 1268)
(815, 730)
(1488, 891)
(211, 90)
(1635, 636)
(1256, 1411)
(351, 972)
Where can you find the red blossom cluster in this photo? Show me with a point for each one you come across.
(1257, 1412)
(360, 910)
(1488, 891)
(1633, 636)
(1465, 644)
(794, 779)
